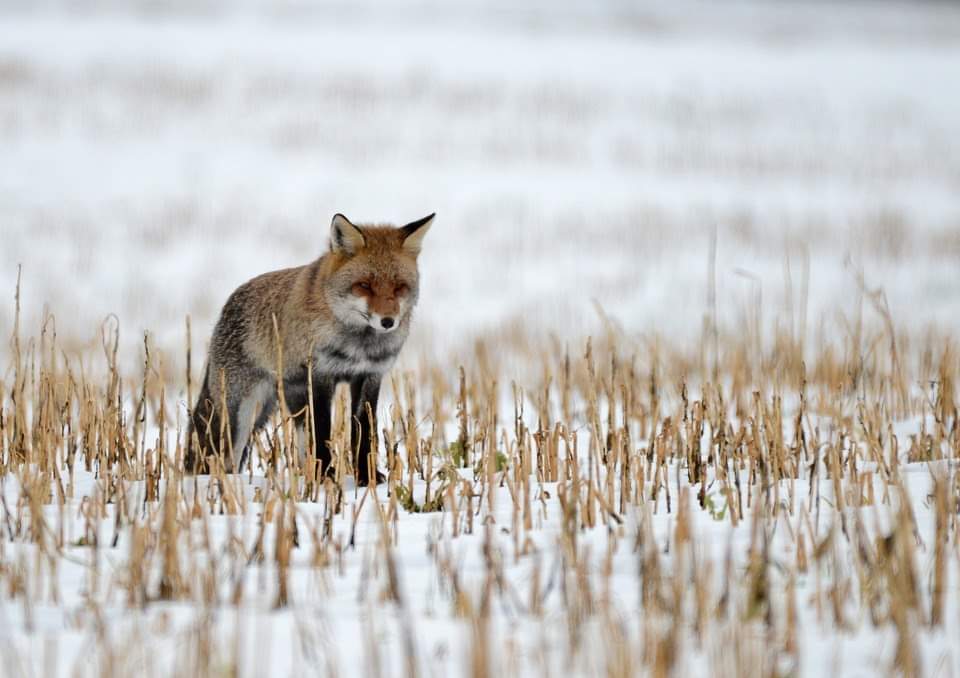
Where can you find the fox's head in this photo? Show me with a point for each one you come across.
(374, 282)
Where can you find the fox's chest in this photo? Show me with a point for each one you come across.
(358, 353)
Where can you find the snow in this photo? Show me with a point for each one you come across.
(533, 141)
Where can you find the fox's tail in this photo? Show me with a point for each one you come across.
(203, 430)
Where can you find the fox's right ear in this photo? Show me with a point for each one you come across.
(414, 231)
(345, 238)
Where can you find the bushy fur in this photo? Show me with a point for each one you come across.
(346, 315)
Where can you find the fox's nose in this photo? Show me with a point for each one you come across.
(387, 323)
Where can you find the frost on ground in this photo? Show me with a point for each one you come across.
(753, 210)
(616, 517)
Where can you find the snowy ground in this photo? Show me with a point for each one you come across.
(155, 159)
(154, 155)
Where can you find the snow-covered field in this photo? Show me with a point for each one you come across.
(582, 158)
(154, 160)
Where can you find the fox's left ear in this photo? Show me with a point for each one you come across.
(345, 238)
(414, 231)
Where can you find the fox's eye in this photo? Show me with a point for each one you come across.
(400, 289)
(362, 287)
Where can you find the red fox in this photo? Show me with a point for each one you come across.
(345, 315)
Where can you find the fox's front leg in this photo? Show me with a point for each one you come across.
(323, 390)
(364, 391)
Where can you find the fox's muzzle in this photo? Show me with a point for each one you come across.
(383, 323)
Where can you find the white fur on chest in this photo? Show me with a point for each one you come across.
(350, 356)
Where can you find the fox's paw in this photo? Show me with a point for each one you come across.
(363, 479)
(328, 472)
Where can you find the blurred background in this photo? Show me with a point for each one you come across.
(586, 159)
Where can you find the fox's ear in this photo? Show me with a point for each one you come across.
(345, 238)
(414, 231)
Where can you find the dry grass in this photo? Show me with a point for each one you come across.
(596, 493)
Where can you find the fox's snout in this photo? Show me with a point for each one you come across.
(381, 303)
(383, 323)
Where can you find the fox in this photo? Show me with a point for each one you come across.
(342, 318)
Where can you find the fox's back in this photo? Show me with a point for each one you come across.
(244, 332)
